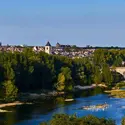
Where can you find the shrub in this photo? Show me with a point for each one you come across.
(123, 121)
(63, 119)
(120, 85)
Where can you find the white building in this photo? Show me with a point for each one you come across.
(48, 48)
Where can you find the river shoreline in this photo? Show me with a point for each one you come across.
(117, 93)
(16, 103)
(25, 98)
(13, 104)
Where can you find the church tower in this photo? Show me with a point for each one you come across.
(48, 48)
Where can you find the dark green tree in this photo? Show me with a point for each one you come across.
(107, 75)
(8, 91)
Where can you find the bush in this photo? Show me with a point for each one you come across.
(120, 85)
(44, 123)
(123, 121)
(63, 119)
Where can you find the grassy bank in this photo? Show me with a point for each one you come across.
(116, 93)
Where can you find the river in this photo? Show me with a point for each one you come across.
(43, 110)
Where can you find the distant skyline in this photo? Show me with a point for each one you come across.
(75, 22)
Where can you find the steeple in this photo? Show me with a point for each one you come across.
(48, 48)
(58, 45)
(48, 44)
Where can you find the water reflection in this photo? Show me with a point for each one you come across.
(24, 112)
(90, 92)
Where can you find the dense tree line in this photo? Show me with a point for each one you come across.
(63, 119)
(113, 57)
(26, 71)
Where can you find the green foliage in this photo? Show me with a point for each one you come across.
(97, 75)
(99, 58)
(43, 123)
(118, 93)
(9, 72)
(123, 121)
(61, 82)
(63, 119)
(8, 91)
(83, 71)
(120, 85)
(117, 77)
(118, 61)
(64, 80)
(107, 76)
(34, 71)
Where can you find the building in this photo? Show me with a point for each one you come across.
(0, 43)
(48, 48)
(62, 50)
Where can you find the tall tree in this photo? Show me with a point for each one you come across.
(97, 75)
(8, 91)
(107, 76)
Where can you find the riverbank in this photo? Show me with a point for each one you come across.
(47, 94)
(116, 93)
(30, 96)
(13, 104)
(78, 87)
(24, 98)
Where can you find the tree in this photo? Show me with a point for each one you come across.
(118, 61)
(107, 76)
(98, 57)
(97, 75)
(9, 72)
(61, 82)
(8, 91)
(63, 119)
(68, 78)
(64, 81)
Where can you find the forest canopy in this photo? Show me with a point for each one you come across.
(26, 71)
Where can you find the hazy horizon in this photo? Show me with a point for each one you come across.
(81, 23)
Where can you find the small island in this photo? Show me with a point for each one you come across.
(96, 107)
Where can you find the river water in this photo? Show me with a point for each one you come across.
(44, 110)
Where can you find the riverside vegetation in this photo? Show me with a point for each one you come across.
(118, 91)
(63, 119)
(30, 71)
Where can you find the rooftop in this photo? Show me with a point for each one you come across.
(48, 44)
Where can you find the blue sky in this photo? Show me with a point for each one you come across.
(80, 22)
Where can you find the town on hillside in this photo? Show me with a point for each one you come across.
(71, 51)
